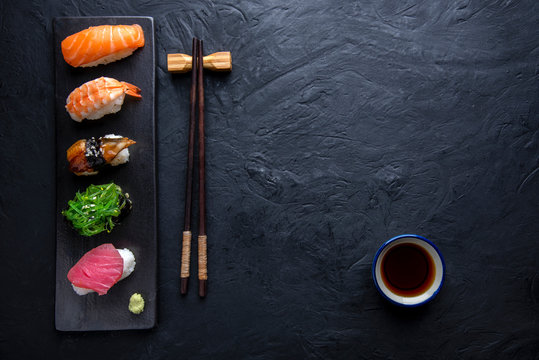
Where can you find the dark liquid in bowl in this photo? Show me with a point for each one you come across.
(408, 270)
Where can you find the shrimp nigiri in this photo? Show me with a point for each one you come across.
(87, 157)
(102, 44)
(99, 97)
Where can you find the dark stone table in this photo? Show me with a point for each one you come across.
(342, 125)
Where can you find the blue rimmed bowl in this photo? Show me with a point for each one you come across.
(439, 268)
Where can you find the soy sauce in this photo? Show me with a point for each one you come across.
(408, 270)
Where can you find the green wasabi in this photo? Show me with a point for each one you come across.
(136, 303)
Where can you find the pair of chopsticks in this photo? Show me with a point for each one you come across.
(196, 96)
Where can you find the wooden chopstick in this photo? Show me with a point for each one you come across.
(202, 238)
(186, 242)
(196, 97)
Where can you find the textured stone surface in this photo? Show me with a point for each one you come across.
(341, 125)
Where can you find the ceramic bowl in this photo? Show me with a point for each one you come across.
(417, 299)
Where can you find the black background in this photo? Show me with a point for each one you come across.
(342, 124)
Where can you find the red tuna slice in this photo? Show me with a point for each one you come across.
(98, 269)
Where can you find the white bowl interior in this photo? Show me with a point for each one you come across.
(430, 292)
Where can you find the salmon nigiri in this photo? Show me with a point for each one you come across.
(99, 97)
(102, 44)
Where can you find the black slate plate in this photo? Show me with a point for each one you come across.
(137, 231)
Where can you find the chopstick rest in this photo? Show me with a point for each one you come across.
(182, 63)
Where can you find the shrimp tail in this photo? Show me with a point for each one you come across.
(132, 90)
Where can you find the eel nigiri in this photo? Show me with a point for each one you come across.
(87, 157)
(102, 44)
(100, 268)
(97, 98)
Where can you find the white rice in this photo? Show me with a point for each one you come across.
(112, 107)
(110, 58)
(121, 158)
(81, 291)
(129, 267)
(129, 262)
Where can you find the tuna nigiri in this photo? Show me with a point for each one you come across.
(87, 157)
(100, 268)
(97, 98)
(102, 44)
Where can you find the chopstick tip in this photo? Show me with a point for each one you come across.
(184, 282)
(202, 288)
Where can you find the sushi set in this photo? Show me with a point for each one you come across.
(106, 242)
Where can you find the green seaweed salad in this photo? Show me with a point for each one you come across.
(97, 209)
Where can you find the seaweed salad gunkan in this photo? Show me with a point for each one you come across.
(97, 209)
